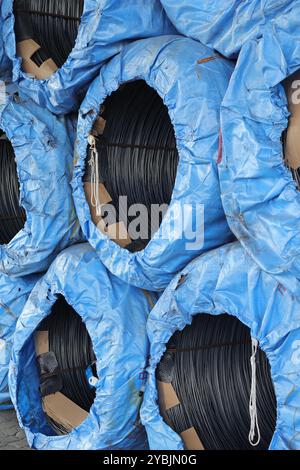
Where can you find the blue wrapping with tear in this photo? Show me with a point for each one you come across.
(106, 25)
(115, 316)
(43, 146)
(227, 280)
(13, 296)
(259, 195)
(225, 25)
(192, 81)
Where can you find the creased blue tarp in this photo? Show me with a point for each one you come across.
(43, 146)
(192, 83)
(106, 25)
(115, 315)
(13, 296)
(227, 280)
(259, 195)
(226, 25)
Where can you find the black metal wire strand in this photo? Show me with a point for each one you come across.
(138, 154)
(53, 25)
(12, 215)
(211, 374)
(72, 346)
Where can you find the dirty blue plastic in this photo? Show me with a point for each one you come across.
(13, 296)
(192, 82)
(227, 280)
(106, 25)
(43, 146)
(115, 315)
(226, 25)
(259, 194)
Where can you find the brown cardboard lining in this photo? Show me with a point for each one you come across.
(25, 50)
(168, 399)
(57, 406)
(117, 231)
(292, 144)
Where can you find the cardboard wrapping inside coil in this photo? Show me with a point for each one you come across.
(57, 406)
(168, 399)
(292, 144)
(26, 49)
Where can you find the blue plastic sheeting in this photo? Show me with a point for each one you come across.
(226, 25)
(13, 296)
(115, 315)
(192, 81)
(259, 195)
(228, 281)
(43, 146)
(106, 25)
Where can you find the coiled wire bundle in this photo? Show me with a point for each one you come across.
(208, 365)
(70, 342)
(12, 216)
(137, 151)
(52, 24)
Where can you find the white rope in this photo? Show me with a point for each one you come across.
(94, 164)
(254, 426)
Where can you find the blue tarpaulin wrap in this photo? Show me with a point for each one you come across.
(115, 315)
(192, 82)
(13, 296)
(259, 194)
(227, 280)
(43, 146)
(225, 25)
(106, 25)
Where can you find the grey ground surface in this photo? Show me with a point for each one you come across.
(11, 436)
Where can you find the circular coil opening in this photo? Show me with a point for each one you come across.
(46, 32)
(131, 165)
(204, 385)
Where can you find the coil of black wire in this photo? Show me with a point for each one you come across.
(70, 341)
(208, 364)
(138, 154)
(12, 215)
(52, 24)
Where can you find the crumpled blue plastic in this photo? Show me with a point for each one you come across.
(227, 280)
(106, 25)
(225, 25)
(13, 296)
(115, 315)
(259, 194)
(43, 146)
(192, 81)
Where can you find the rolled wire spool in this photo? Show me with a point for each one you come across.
(208, 365)
(12, 215)
(137, 151)
(72, 346)
(50, 23)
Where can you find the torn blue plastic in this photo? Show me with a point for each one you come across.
(106, 25)
(192, 81)
(13, 296)
(226, 25)
(115, 315)
(43, 146)
(227, 280)
(259, 194)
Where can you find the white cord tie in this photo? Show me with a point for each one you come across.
(94, 164)
(254, 426)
